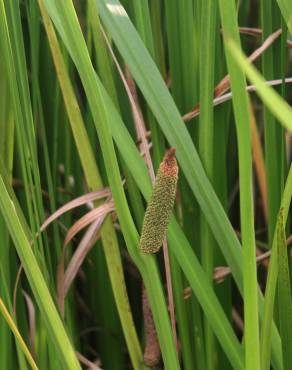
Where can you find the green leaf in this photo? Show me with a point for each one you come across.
(286, 10)
(206, 144)
(266, 338)
(281, 110)
(10, 322)
(284, 294)
(241, 114)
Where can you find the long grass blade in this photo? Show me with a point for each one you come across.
(272, 281)
(17, 335)
(241, 112)
(284, 294)
(285, 6)
(281, 110)
(206, 143)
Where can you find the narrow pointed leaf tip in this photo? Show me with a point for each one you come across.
(160, 205)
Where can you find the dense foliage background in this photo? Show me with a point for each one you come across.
(92, 95)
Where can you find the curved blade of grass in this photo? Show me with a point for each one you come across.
(286, 10)
(83, 199)
(54, 324)
(279, 107)
(273, 132)
(90, 217)
(206, 143)
(242, 119)
(284, 294)
(85, 245)
(17, 335)
(22, 363)
(272, 281)
(7, 153)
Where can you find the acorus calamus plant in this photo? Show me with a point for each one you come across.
(160, 204)
(92, 92)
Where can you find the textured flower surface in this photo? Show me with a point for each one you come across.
(160, 204)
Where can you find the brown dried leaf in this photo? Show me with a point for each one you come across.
(87, 219)
(258, 158)
(97, 216)
(77, 202)
(226, 97)
(250, 31)
(152, 349)
(91, 365)
(31, 321)
(224, 84)
(85, 245)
